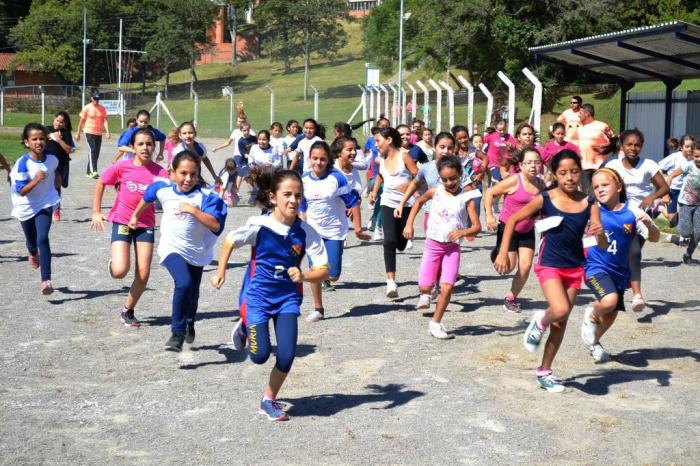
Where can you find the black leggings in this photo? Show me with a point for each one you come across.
(94, 145)
(393, 235)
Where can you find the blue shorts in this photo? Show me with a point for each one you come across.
(602, 284)
(257, 315)
(334, 250)
(242, 165)
(495, 173)
(121, 232)
(673, 205)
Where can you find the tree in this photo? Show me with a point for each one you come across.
(279, 31)
(235, 10)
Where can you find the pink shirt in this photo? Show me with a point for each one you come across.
(513, 203)
(497, 143)
(552, 148)
(133, 181)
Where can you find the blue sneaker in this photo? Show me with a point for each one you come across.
(549, 383)
(273, 410)
(533, 334)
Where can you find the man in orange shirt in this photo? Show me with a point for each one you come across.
(593, 142)
(571, 118)
(92, 117)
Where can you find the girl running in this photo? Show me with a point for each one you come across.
(187, 134)
(228, 182)
(567, 212)
(644, 183)
(327, 196)
(35, 178)
(133, 177)
(396, 170)
(426, 143)
(473, 161)
(60, 143)
(498, 141)
(519, 190)
(125, 152)
(235, 136)
(263, 154)
(273, 282)
(668, 165)
(557, 143)
(193, 217)
(689, 202)
(451, 213)
(277, 142)
(171, 143)
(300, 156)
(525, 137)
(608, 270)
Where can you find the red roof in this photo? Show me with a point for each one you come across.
(5, 59)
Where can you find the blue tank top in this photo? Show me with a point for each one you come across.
(562, 246)
(620, 229)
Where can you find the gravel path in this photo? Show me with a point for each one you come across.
(369, 384)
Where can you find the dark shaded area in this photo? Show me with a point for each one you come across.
(231, 356)
(86, 294)
(8, 259)
(393, 395)
(641, 357)
(659, 307)
(157, 321)
(600, 382)
(477, 330)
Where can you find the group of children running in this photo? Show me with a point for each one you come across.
(310, 194)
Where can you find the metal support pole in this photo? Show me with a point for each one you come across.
(392, 113)
(43, 104)
(402, 111)
(399, 82)
(313, 88)
(119, 75)
(195, 119)
(158, 109)
(2, 107)
(379, 101)
(511, 100)
(536, 99)
(438, 105)
(489, 104)
(426, 103)
(625, 87)
(470, 103)
(450, 102)
(668, 110)
(365, 115)
(413, 100)
(85, 42)
(272, 104)
(387, 109)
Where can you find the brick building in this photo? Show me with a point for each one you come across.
(20, 75)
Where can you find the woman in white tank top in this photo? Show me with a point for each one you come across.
(396, 170)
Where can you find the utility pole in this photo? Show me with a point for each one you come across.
(400, 79)
(85, 42)
(119, 76)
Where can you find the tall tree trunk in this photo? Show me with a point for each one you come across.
(167, 80)
(307, 58)
(143, 79)
(193, 77)
(233, 30)
(287, 63)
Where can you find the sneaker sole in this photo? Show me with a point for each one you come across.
(516, 311)
(440, 337)
(560, 389)
(47, 291)
(392, 294)
(639, 307)
(422, 306)
(530, 347)
(284, 417)
(173, 349)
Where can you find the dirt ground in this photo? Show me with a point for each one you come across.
(369, 384)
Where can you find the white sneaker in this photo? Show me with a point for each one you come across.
(392, 291)
(409, 245)
(638, 303)
(423, 301)
(588, 328)
(437, 330)
(378, 234)
(599, 354)
(314, 316)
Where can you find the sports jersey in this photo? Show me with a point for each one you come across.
(448, 213)
(275, 248)
(620, 228)
(304, 149)
(199, 149)
(127, 134)
(264, 157)
(637, 179)
(53, 147)
(353, 178)
(44, 193)
(325, 202)
(562, 247)
(133, 181)
(246, 142)
(497, 143)
(181, 232)
(237, 134)
(690, 191)
(94, 116)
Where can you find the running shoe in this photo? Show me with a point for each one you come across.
(598, 353)
(437, 330)
(589, 328)
(392, 291)
(128, 318)
(46, 287)
(677, 240)
(378, 234)
(549, 383)
(273, 410)
(174, 343)
(687, 260)
(94, 175)
(511, 305)
(189, 331)
(33, 260)
(638, 303)
(238, 336)
(423, 301)
(533, 334)
(328, 285)
(315, 316)
(56, 216)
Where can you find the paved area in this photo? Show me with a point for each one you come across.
(369, 384)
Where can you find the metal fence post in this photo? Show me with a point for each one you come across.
(489, 104)
(2, 106)
(43, 104)
(450, 102)
(426, 103)
(536, 99)
(470, 103)
(313, 88)
(196, 108)
(511, 100)
(272, 104)
(438, 105)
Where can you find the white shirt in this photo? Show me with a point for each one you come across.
(43, 195)
(237, 134)
(264, 157)
(181, 233)
(353, 178)
(199, 149)
(304, 148)
(391, 196)
(638, 179)
(326, 200)
(448, 213)
(670, 163)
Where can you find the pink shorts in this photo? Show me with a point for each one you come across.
(570, 277)
(439, 259)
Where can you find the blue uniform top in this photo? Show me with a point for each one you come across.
(127, 134)
(620, 228)
(275, 248)
(562, 246)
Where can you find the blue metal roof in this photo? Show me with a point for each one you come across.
(667, 52)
